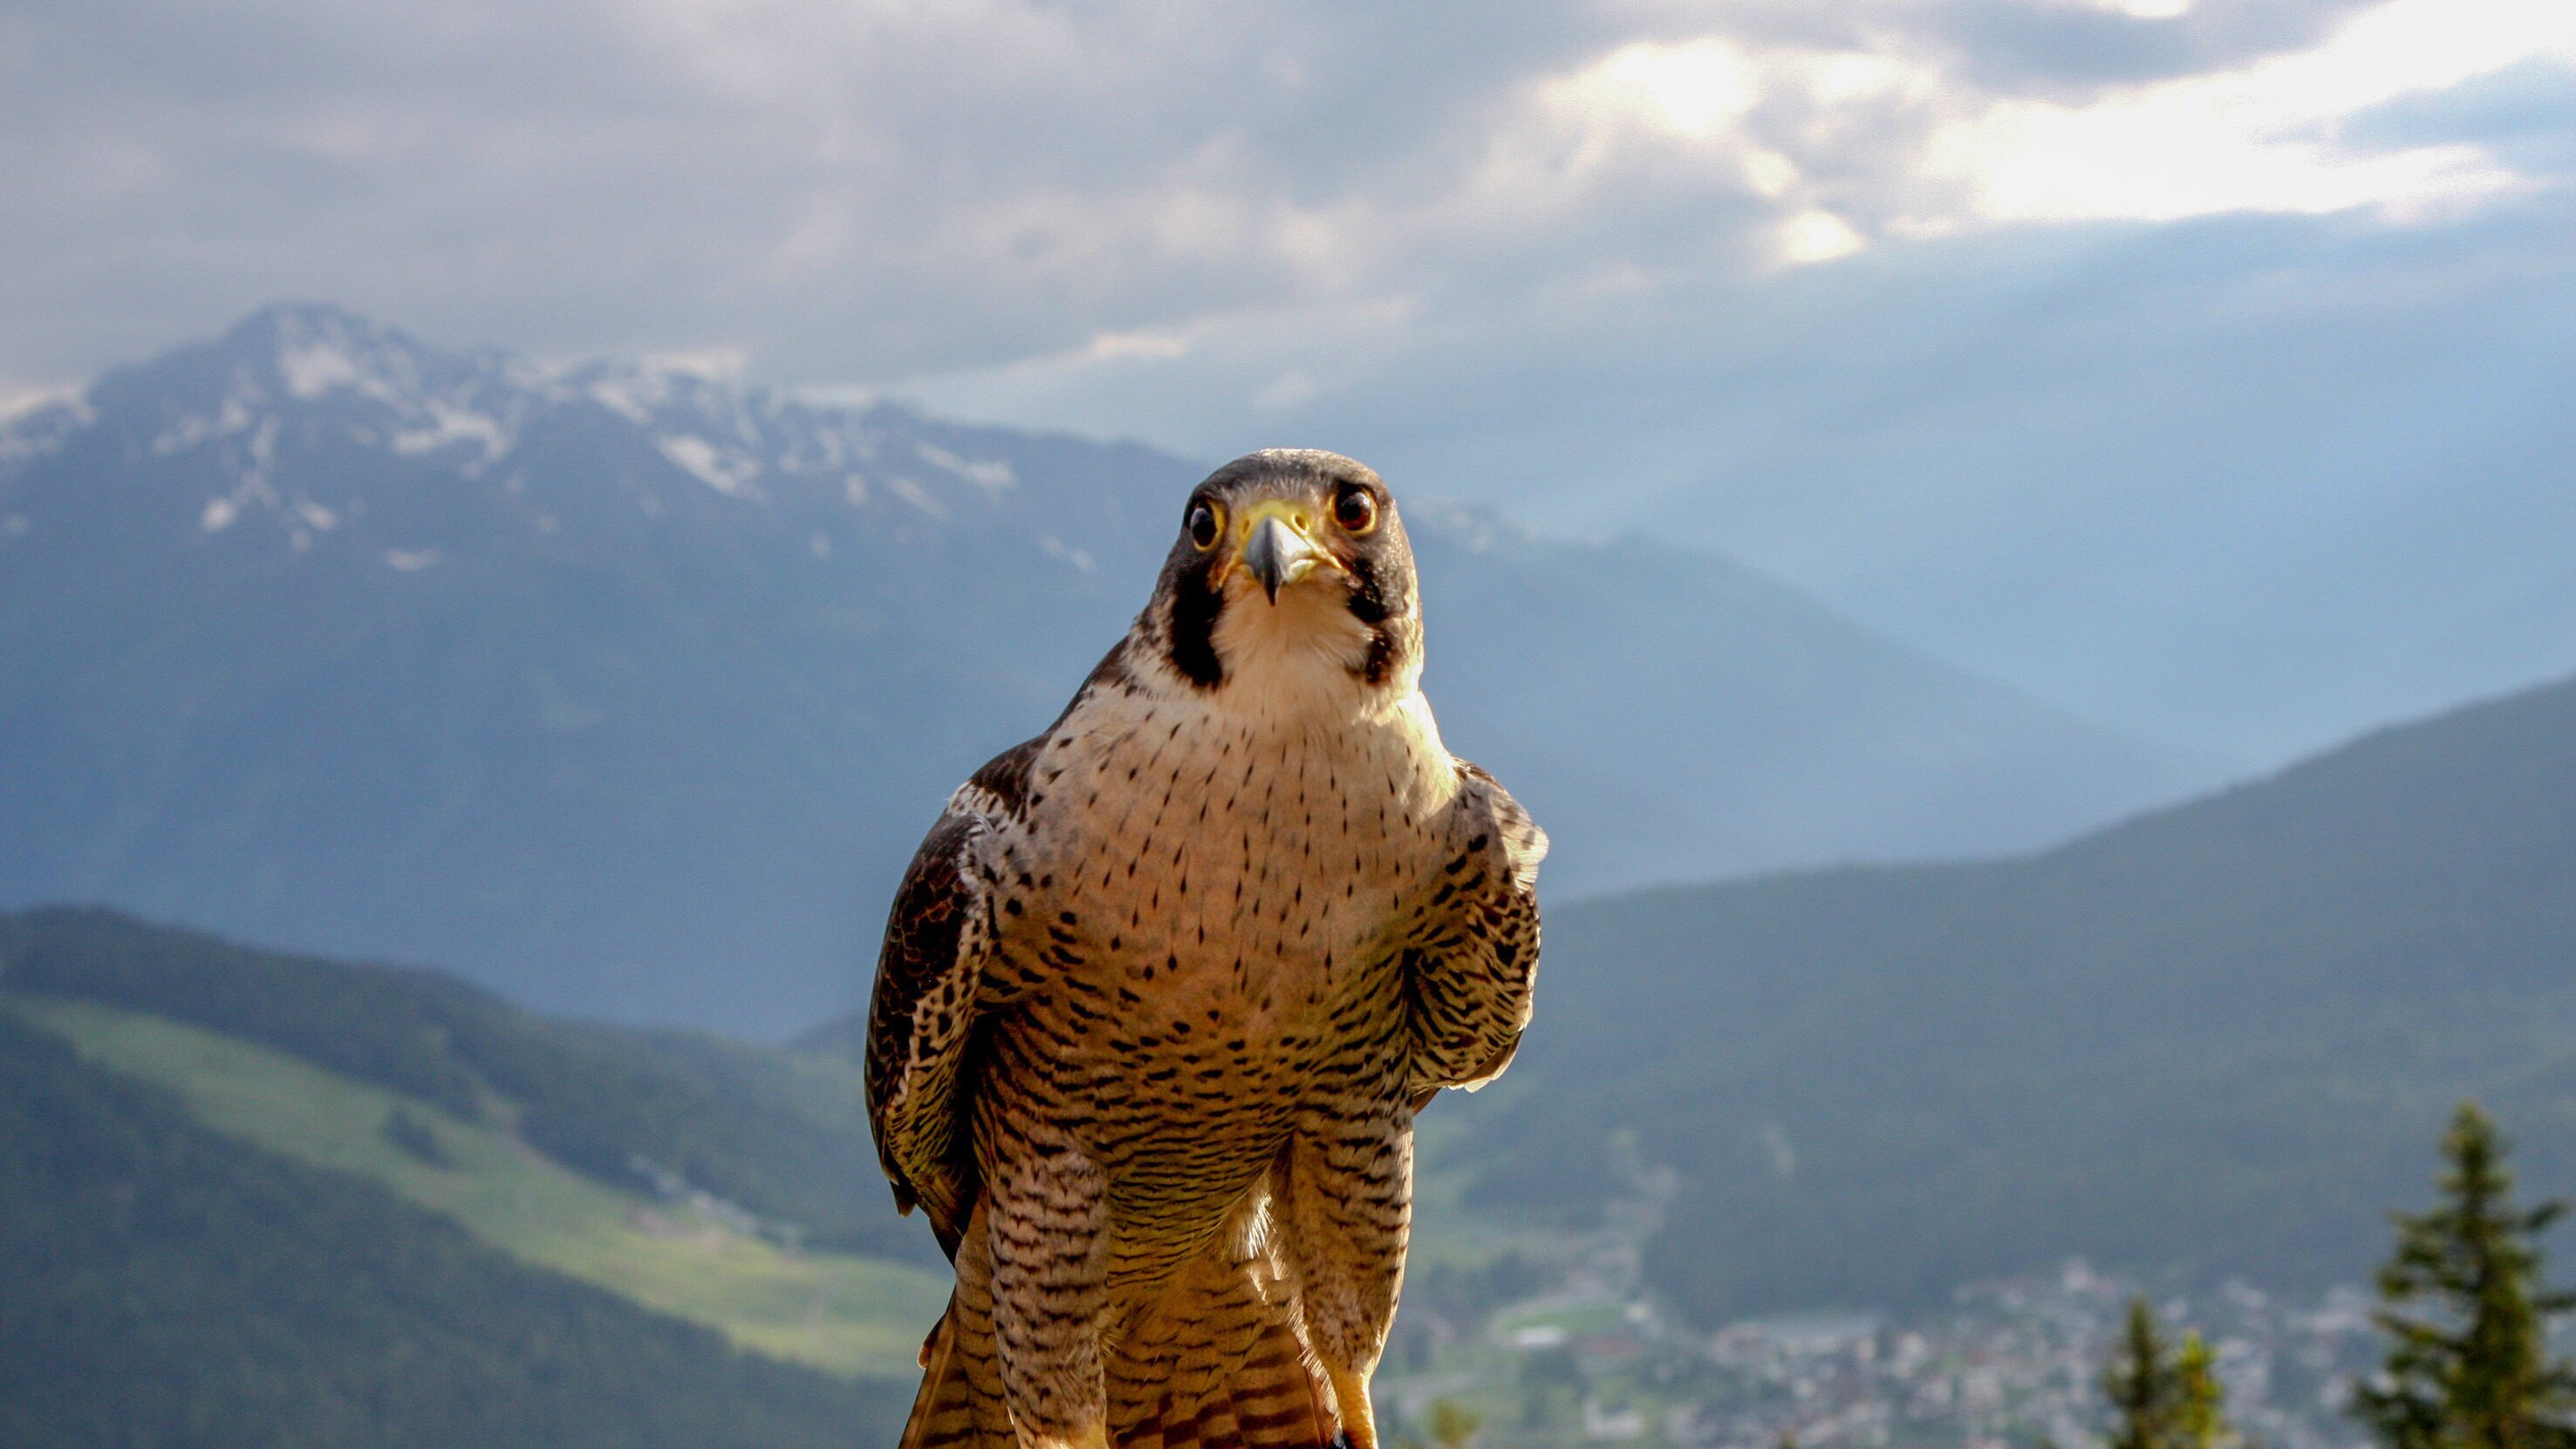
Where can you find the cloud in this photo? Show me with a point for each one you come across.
(849, 190)
(863, 191)
(2264, 137)
(2068, 49)
(1632, 184)
(2524, 114)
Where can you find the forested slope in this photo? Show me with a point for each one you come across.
(2217, 1038)
(169, 1286)
(781, 1135)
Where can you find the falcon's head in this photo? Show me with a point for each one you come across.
(1291, 573)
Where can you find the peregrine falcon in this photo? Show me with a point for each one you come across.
(1165, 986)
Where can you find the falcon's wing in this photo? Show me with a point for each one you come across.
(1471, 974)
(922, 1015)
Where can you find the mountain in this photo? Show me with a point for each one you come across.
(628, 691)
(2222, 1037)
(207, 1240)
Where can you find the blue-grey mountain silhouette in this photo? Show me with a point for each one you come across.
(627, 691)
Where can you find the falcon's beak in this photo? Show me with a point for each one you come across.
(1276, 550)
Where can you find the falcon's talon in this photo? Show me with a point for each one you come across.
(1351, 1397)
(1251, 775)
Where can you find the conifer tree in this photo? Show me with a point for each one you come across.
(2468, 1367)
(2141, 1384)
(2165, 1402)
(2200, 1400)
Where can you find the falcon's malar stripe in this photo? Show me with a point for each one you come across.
(1193, 612)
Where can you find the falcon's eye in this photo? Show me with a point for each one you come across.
(1354, 510)
(1204, 526)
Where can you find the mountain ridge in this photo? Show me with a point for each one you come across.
(628, 690)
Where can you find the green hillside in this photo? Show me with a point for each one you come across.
(845, 1314)
(2217, 1038)
(170, 1285)
(784, 1136)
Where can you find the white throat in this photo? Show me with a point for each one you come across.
(1302, 656)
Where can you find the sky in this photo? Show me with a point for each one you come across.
(2202, 367)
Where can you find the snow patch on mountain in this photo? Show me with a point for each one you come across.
(450, 425)
(616, 395)
(36, 426)
(916, 495)
(263, 422)
(237, 412)
(1079, 558)
(993, 476)
(316, 368)
(730, 473)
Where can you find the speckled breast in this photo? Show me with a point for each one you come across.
(1207, 941)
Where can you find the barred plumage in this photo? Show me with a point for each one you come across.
(1165, 986)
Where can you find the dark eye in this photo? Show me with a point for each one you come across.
(1354, 510)
(1204, 526)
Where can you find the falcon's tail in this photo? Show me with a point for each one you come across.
(960, 1402)
(1211, 1362)
(1214, 1363)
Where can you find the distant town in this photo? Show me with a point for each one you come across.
(1567, 1344)
(2009, 1363)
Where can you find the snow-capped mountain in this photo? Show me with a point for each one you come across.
(309, 426)
(628, 690)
